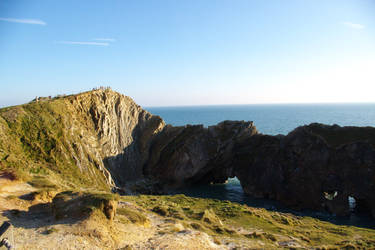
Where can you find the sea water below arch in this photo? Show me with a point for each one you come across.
(270, 119)
(232, 191)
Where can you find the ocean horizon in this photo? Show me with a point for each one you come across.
(271, 118)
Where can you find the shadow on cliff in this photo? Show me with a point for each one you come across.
(128, 165)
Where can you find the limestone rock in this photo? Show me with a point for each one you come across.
(182, 156)
(308, 164)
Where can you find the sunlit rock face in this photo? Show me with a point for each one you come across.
(124, 131)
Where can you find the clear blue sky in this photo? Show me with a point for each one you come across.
(167, 53)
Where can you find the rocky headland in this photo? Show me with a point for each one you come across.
(100, 140)
(315, 166)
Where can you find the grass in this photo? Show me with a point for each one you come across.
(42, 182)
(223, 219)
(44, 140)
(78, 205)
(132, 216)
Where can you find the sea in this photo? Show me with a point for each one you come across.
(271, 119)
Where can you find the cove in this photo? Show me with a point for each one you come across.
(232, 191)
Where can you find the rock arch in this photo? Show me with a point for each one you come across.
(300, 169)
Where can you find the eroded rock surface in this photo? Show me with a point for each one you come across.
(123, 131)
(310, 168)
(313, 167)
(182, 156)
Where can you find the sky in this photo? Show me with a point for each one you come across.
(189, 52)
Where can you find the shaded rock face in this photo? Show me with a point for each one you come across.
(306, 170)
(182, 156)
(313, 167)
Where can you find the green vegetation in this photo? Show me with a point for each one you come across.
(78, 205)
(42, 182)
(128, 215)
(41, 143)
(223, 218)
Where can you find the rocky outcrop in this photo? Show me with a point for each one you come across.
(315, 167)
(123, 132)
(182, 156)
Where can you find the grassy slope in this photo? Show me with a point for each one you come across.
(222, 219)
(36, 144)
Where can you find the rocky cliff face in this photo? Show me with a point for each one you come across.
(123, 131)
(96, 138)
(182, 156)
(315, 167)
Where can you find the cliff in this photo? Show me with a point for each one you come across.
(316, 167)
(183, 156)
(96, 139)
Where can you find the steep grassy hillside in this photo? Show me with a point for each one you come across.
(37, 145)
(70, 141)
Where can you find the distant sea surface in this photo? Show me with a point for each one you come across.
(272, 120)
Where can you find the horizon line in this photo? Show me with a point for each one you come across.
(245, 104)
